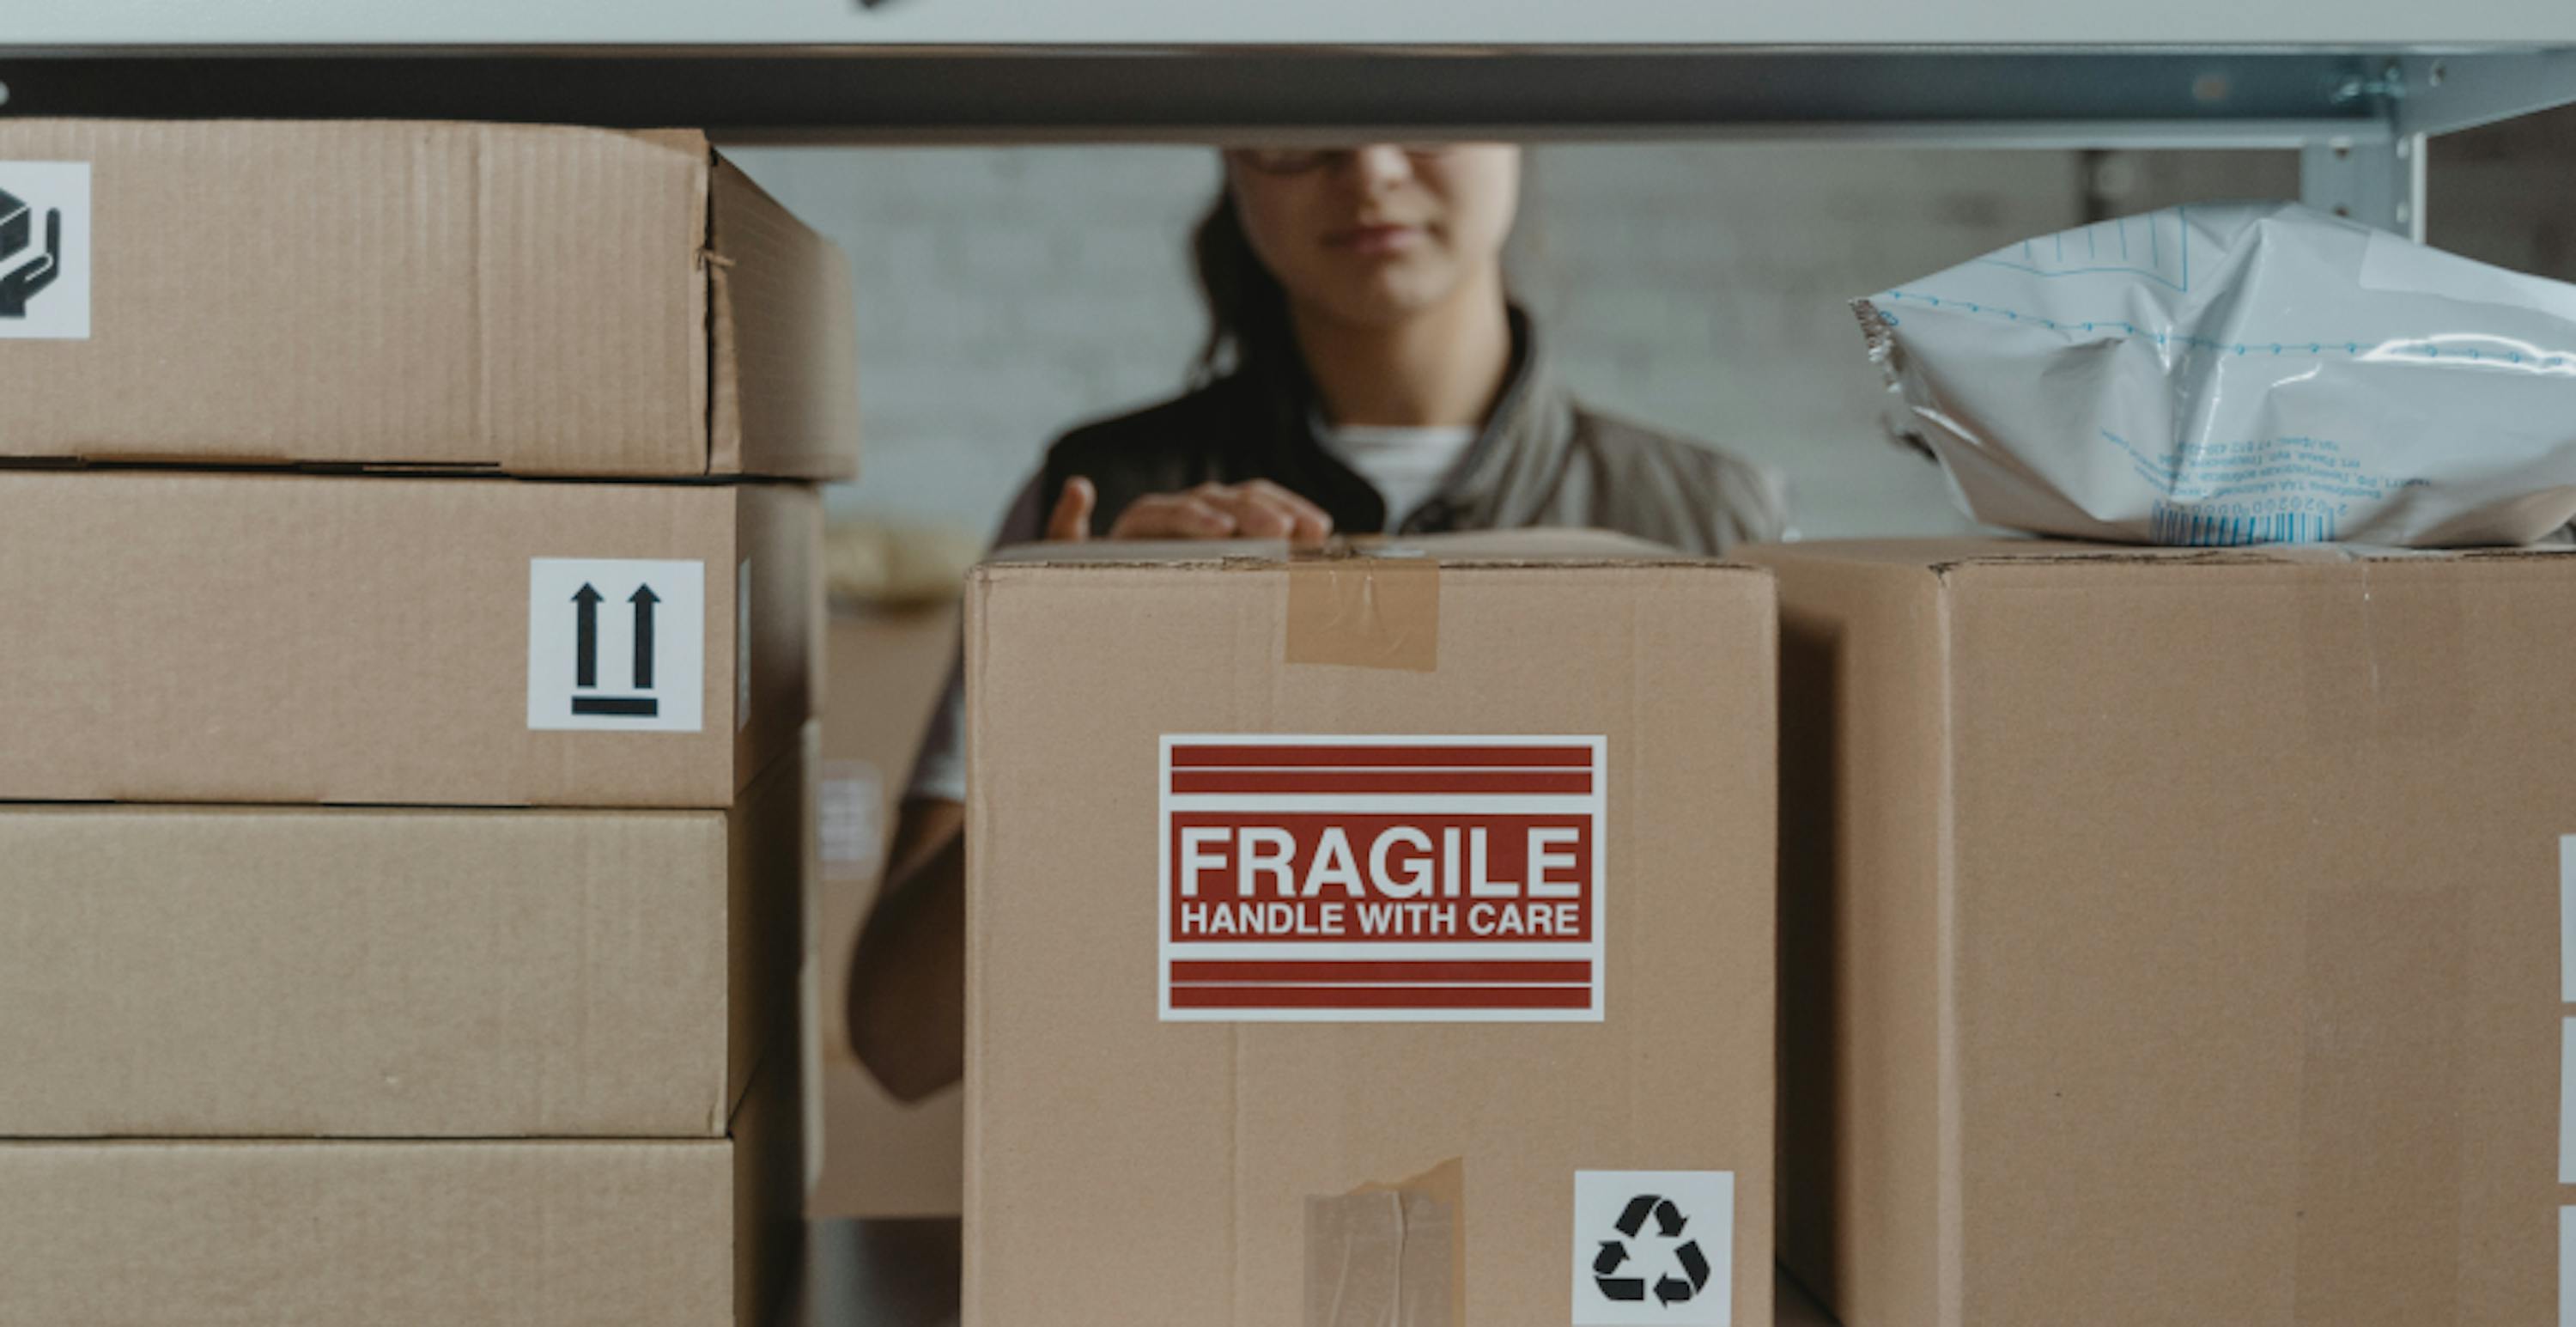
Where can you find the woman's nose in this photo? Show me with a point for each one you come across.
(1379, 166)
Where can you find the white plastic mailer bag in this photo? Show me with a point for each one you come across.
(2241, 373)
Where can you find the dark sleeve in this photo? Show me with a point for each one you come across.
(939, 766)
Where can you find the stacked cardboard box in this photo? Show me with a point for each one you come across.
(399, 872)
(2178, 936)
(1381, 939)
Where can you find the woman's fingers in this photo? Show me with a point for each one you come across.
(1255, 516)
(1308, 523)
(1173, 516)
(1071, 519)
(1255, 510)
(1264, 510)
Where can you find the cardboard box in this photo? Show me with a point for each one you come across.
(406, 1233)
(182, 637)
(219, 971)
(1489, 1040)
(518, 298)
(877, 1157)
(2174, 936)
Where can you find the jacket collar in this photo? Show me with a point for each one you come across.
(1511, 470)
(1505, 478)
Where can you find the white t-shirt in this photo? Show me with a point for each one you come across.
(1407, 466)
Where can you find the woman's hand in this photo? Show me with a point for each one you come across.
(1256, 510)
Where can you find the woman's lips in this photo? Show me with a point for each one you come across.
(1375, 241)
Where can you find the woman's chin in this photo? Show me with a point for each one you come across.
(1386, 297)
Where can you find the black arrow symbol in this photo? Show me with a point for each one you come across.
(1694, 1262)
(1613, 1253)
(1672, 1290)
(585, 668)
(1633, 1219)
(644, 599)
(1629, 1289)
(1669, 1219)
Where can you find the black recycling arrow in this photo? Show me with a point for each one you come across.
(1612, 1254)
(1672, 1290)
(1627, 1289)
(1633, 1219)
(1695, 1263)
(585, 668)
(643, 599)
(1669, 1219)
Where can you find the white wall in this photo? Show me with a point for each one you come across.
(1007, 293)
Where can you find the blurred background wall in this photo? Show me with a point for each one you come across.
(1007, 293)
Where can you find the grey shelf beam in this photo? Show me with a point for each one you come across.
(2361, 117)
(1977, 95)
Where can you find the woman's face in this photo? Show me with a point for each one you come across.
(1375, 235)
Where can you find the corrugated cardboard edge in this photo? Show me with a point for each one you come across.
(1390, 1255)
(767, 1133)
(1531, 547)
(782, 340)
(778, 530)
(1867, 1215)
(770, 847)
(973, 1255)
(1944, 556)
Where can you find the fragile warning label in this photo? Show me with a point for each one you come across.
(1420, 879)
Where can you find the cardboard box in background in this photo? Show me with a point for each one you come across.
(1494, 1117)
(407, 1233)
(270, 638)
(2175, 936)
(520, 298)
(185, 972)
(875, 1156)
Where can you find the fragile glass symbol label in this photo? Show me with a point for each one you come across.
(616, 645)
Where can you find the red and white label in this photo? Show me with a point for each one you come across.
(1381, 879)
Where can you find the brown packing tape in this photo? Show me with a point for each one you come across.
(1390, 1255)
(1364, 610)
(2380, 1109)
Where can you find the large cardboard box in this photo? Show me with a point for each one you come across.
(406, 1233)
(2174, 937)
(875, 1156)
(517, 298)
(1370, 939)
(182, 972)
(184, 637)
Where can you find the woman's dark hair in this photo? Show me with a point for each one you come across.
(1247, 309)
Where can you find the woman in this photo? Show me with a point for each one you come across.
(1364, 372)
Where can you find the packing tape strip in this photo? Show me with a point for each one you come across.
(1390, 1255)
(2382, 1066)
(1364, 609)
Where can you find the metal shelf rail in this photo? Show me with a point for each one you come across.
(2357, 86)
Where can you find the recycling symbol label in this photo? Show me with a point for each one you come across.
(1654, 1246)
